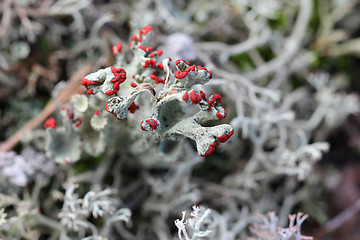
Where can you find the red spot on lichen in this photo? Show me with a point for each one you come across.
(119, 77)
(106, 106)
(116, 49)
(69, 114)
(119, 47)
(85, 82)
(78, 122)
(142, 48)
(97, 112)
(107, 109)
(109, 92)
(114, 52)
(133, 84)
(159, 52)
(194, 97)
(149, 62)
(219, 116)
(50, 122)
(218, 140)
(211, 149)
(185, 96)
(225, 137)
(180, 75)
(147, 29)
(152, 123)
(66, 160)
(132, 108)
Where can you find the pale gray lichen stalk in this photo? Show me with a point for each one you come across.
(167, 118)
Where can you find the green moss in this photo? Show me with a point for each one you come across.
(45, 45)
(243, 61)
(266, 52)
(315, 16)
(87, 164)
(278, 22)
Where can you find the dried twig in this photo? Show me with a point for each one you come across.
(73, 86)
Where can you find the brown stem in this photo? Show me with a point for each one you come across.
(72, 87)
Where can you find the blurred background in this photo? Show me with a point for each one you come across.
(285, 45)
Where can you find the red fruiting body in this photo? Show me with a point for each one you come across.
(225, 137)
(116, 49)
(142, 48)
(119, 77)
(133, 84)
(219, 115)
(69, 114)
(152, 123)
(107, 109)
(211, 149)
(181, 60)
(97, 112)
(133, 107)
(141, 125)
(85, 81)
(119, 47)
(180, 75)
(149, 49)
(218, 140)
(114, 52)
(133, 38)
(78, 122)
(185, 96)
(149, 62)
(109, 92)
(217, 97)
(50, 122)
(159, 52)
(194, 97)
(67, 161)
(147, 29)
